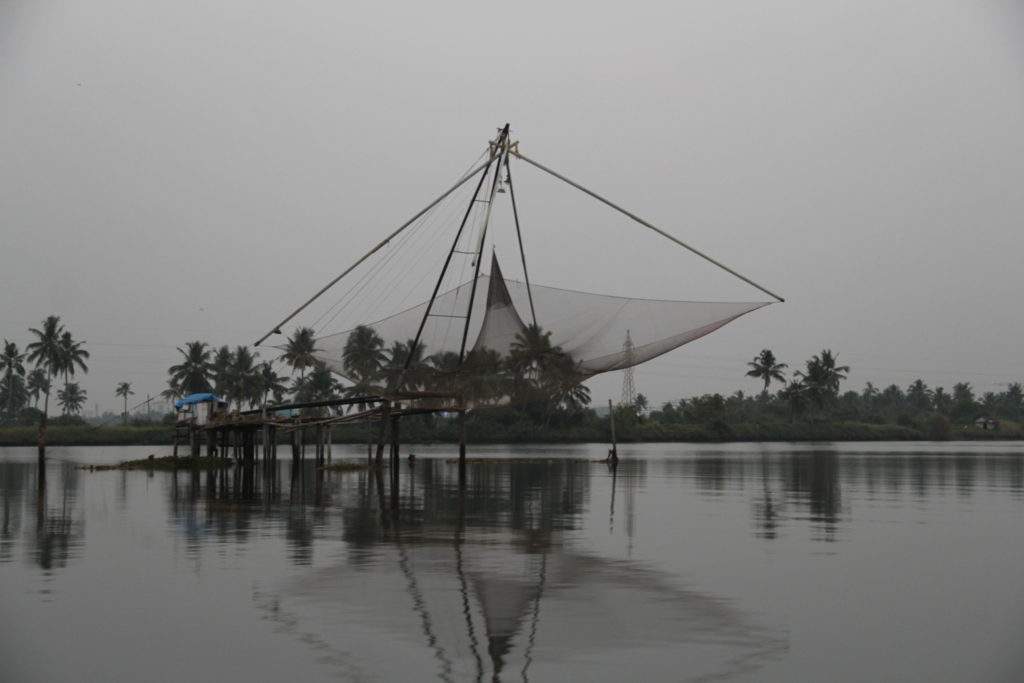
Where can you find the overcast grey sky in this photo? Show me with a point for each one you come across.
(184, 170)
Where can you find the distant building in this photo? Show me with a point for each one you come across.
(986, 422)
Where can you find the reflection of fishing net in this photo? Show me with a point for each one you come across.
(507, 359)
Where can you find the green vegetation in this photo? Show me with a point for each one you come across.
(532, 394)
(87, 435)
(124, 389)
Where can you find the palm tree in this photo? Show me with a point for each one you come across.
(539, 368)
(822, 378)
(71, 398)
(36, 385)
(835, 373)
(362, 357)
(869, 397)
(299, 350)
(321, 385)
(13, 395)
(46, 353)
(242, 380)
(572, 399)
(271, 384)
(191, 376)
(405, 369)
(532, 344)
(964, 405)
(13, 368)
(963, 392)
(480, 379)
(441, 370)
(124, 389)
(795, 394)
(919, 396)
(74, 356)
(221, 370)
(767, 368)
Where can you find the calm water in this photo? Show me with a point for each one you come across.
(857, 562)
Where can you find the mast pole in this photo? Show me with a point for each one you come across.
(277, 328)
(502, 150)
(648, 225)
(519, 236)
(447, 261)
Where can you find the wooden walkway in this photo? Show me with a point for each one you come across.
(253, 436)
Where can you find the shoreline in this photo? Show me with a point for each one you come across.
(642, 433)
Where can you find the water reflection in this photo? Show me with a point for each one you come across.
(501, 577)
(487, 580)
(42, 516)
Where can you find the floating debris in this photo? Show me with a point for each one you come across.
(167, 463)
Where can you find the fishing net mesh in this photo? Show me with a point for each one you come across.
(507, 357)
(488, 340)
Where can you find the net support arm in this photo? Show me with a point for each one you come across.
(277, 328)
(647, 225)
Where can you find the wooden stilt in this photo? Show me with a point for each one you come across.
(248, 445)
(265, 436)
(462, 448)
(330, 442)
(613, 454)
(395, 468)
(385, 416)
(378, 478)
(369, 441)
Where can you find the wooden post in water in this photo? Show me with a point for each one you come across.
(321, 444)
(385, 415)
(265, 435)
(330, 440)
(369, 441)
(395, 468)
(378, 478)
(249, 445)
(613, 454)
(317, 443)
(462, 448)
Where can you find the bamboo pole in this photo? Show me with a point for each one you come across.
(613, 454)
(462, 448)
(277, 328)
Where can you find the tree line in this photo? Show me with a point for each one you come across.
(534, 369)
(533, 387)
(29, 375)
(813, 394)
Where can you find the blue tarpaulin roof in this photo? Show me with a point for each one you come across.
(197, 398)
